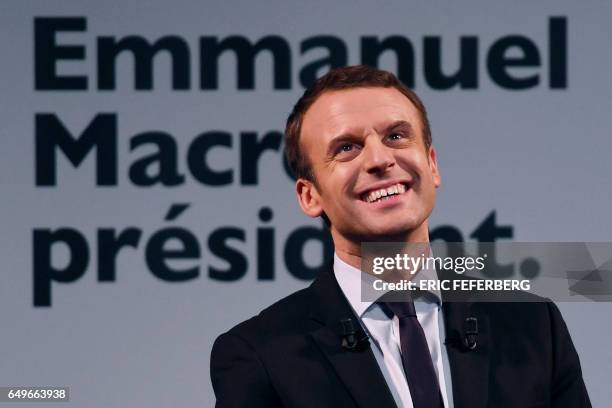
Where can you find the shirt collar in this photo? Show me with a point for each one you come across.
(350, 280)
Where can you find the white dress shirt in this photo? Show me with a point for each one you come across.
(383, 332)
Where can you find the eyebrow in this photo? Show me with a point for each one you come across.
(397, 125)
(350, 137)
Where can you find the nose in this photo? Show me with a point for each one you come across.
(378, 158)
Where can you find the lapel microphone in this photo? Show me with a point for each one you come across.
(470, 333)
(354, 338)
(466, 339)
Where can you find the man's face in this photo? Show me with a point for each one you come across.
(375, 178)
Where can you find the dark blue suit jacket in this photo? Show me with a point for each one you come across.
(290, 355)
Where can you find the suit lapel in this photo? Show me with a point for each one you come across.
(469, 368)
(358, 370)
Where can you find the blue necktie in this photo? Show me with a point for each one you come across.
(416, 359)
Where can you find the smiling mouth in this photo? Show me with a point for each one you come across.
(385, 193)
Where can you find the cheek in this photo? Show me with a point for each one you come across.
(414, 164)
(343, 179)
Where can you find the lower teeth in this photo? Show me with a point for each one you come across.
(384, 198)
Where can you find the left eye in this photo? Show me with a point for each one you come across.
(395, 136)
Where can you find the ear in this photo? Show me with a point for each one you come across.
(433, 167)
(308, 197)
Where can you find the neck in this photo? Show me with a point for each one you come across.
(349, 248)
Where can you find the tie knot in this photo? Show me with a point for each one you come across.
(402, 309)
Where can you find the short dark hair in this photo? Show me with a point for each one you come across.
(355, 76)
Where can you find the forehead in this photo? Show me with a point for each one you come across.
(356, 111)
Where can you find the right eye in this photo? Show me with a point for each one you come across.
(347, 151)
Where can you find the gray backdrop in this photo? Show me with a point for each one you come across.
(539, 157)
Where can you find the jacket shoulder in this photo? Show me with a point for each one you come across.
(290, 315)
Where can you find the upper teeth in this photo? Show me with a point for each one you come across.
(384, 192)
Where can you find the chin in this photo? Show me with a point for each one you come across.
(395, 230)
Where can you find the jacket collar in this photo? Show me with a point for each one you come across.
(469, 368)
(358, 370)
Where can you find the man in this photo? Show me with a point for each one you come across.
(360, 145)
